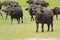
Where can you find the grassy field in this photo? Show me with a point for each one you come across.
(28, 28)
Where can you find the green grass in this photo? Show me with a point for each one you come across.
(28, 28)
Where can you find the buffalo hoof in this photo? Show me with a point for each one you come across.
(51, 30)
(36, 31)
(42, 31)
(22, 21)
(47, 30)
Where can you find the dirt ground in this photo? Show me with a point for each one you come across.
(37, 39)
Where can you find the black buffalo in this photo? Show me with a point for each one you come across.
(56, 11)
(14, 13)
(5, 3)
(17, 13)
(44, 17)
(13, 3)
(30, 1)
(31, 11)
(0, 9)
(42, 3)
(9, 3)
(7, 11)
(0, 5)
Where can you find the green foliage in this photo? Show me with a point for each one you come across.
(53, 3)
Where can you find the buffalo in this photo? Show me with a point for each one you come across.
(30, 1)
(9, 3)
(17, 13)
(42, 3)
(7, 11)
(14, 13)
(30, 10)
(13, 3)
(56, 11)
(0, 5)
(0, 9)
(43, 16)
(5, 3)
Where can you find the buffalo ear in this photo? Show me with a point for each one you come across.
(27, 2)
(2, 10)
(5, 11)
(26, 9)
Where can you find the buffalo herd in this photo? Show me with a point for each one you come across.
(39, 9)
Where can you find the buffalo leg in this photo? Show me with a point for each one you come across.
(37, 27)
(1, 15)
(56, 16)
(32, 18)
(6, 16)
(48, 27)
(42, 27)
(18, 20)
(51, 26)
(22, 19)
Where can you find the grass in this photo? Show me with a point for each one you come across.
(28, 28)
